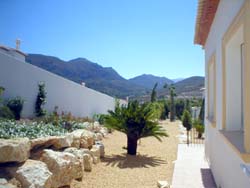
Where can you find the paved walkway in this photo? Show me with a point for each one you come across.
(191, 169)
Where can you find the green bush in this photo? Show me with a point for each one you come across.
(200, 129)
(40, 100)
(16, 106)
(6, 113)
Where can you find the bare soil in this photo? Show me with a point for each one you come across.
(153, 162)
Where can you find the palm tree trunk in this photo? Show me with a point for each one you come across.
(131, 145)
(187, 137)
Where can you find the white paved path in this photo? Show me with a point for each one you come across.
(191, 169)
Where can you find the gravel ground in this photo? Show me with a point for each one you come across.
(153, 162)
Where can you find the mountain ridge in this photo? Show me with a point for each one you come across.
(103, 79)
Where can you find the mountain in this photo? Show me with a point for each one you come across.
(148, 81)
(177, 80)
(189, 87)
(103, 79)
(107, 80)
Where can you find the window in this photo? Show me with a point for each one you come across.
(212, 90)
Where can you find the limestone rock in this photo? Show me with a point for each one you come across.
(77, 139)
(98, 136)
(104, 131)
(87, 160)
(43, 142)
(88, 137)
(63, 141)
(34, 174)
(101, 147)
(163, 184)
(64, 166)
(82, 138)
(95, 151)
(14, 150)
(7, 185)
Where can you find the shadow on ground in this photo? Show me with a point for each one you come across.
(129, 161)
(207, 178)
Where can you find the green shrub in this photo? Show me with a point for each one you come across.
(6, 113)
(200, 129)
(40, 100)
(16, 106)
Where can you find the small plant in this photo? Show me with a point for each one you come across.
(172, 103)
(187, 123)
(200, 129)
(16, 106)
(6, 113)
(40, 100)
(1, 92)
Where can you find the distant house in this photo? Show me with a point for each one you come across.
(223, 30)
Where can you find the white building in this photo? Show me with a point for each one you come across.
(223, 30)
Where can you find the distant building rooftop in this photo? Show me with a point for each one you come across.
(12, 49)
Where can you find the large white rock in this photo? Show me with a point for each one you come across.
(63, 141)
(64, 166)
(82, 138)
(104, 131)
(95, 151)
(14, 150)
(163, 184)
(88, 137)
(98, 136)
(87, 162)
(101, 147)
(34, 174)
(43, 142)
(4, 184)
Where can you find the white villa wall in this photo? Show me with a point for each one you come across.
(21, 79)
(225, 163)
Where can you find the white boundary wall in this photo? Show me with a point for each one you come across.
(21, 79)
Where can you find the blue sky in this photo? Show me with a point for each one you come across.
(132, 36)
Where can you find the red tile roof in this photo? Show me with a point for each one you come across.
(204, 19)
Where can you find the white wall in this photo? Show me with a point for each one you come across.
(21, 79)
(224, 162)
(226, 12)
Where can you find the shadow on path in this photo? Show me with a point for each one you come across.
(207, 178)
(129, 161)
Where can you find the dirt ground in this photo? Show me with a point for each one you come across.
(153, 162)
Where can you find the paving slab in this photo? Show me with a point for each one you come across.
(191, 169)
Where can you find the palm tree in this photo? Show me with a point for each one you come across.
(136, 121)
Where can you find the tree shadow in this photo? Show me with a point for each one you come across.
(207, 178)
(130, 161)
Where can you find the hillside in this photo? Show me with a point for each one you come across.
(102, 79)
(107, 80)
(148, 81)
(189, 87)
